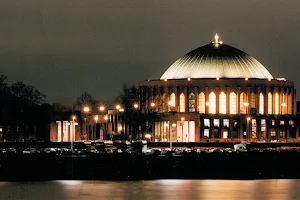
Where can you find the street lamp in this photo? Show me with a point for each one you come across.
(136, 106)
(247, 130)
(182, 119)
(96, 120)
(105, 126)
(73, 132)
(86, 110)
(101, 108)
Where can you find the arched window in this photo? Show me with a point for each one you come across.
(283, 104)
(276, 104)
(201, 102)
(222, 103)
(261, 104)
(173, 99)
(192, 102)
(212, 103)
(270, 103)
(243, 103)
(232, 100)
(252, 100)
(182, 103)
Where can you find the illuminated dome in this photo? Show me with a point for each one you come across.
(216, 60)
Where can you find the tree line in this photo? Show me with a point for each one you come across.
(25, 114)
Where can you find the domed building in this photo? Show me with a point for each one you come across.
(219, 93)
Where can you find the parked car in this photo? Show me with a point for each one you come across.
(30, 151)
(11, 150)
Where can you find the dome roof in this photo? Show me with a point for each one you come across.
(216, 60)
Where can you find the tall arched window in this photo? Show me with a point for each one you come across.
(261, 104)
(182, 103)
(232, 100)
(173, 99)
(192, 102)
(201, 102)
(270, 103)
(243, 103)
(283, 104)
(276, 103)
(212, 103)
(222, 103)
(252, 100)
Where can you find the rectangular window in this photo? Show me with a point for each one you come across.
(216, 122)
(226, 122)
(282, 134)
(207, 122)
(291, 122)
(263, 128)
(253, 128)
(273, 122)
(225, 134)
(206, 133)
(273, 132)
(281, 122)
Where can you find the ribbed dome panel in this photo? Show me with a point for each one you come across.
(216, 61)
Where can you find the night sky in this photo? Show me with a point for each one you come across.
(67, 47)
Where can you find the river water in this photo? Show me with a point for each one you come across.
(154, 189)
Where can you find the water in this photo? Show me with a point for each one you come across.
(157, 190)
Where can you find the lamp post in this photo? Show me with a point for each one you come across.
(73, 133)
(102, 109)
(105, 125)
(86, 110)
(117, 119)
(247, 129)
(182, 119)
(96, 121)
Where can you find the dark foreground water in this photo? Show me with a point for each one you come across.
(283, 189)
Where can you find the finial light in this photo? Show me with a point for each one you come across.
(216, 38)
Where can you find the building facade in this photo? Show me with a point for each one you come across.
(219, 93)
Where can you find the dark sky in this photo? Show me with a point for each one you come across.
(67, 47)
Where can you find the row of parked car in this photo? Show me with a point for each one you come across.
(114, 151)
(27, 151)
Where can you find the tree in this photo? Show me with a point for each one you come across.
(85, 100)
(27, 93)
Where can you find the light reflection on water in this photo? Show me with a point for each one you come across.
(157, 189)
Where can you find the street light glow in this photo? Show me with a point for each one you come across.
(86, 109)
(73, 117)
(106, 117)
(248, 118)
(118, 107)
(135, 105)
(182, 118)
(101, 108)
(96, 118)
(152, 104)
(121, 109)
